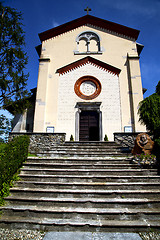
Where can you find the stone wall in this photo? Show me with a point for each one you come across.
(39, 141)
(126, 140)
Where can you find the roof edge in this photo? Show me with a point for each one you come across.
(85, 60)
(95, 21)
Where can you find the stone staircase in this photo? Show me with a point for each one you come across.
(84, 186)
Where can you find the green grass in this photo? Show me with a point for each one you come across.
(32, 155)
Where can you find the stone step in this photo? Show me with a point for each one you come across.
(82, 213)
(68, 160)
(85, 202)
(80, 224)
(83, 151)
(89, 185)
(74, 193)
(79, 172)
(91, 143)
(88, 146)
(43, 165)
(80, 154)
(91, 178)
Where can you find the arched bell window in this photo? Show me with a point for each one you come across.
(88, 43)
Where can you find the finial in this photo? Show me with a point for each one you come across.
(87, 10)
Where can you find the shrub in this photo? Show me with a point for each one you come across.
(105, 138)
(145, 160)
(71, 138)
(157, 151)
(11, 159)
(157, 145)
(2, 149)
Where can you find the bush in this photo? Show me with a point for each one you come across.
(145, 160)
(2, 149)
(11, 159)
(157, 145)
(157, 150)
(105, 138)
(71, 138)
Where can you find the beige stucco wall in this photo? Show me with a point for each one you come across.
(60, 51)
(109, 98)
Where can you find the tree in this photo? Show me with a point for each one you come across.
(149, 112)
(13, 59)
(5, 128)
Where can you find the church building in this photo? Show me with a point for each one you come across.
(89, 81)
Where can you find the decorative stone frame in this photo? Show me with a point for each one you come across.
(87, 36)
(87, 106)
(83, 79)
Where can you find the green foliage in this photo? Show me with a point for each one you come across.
(149, 112)
(71, 138)
(158, 88)
(145, 160)
(157, 149)
(14, 154)
(19, 106)
(157, 142)
(5, 128)
(2, 147)
(105, 138)
(13, 59)
(32, 155)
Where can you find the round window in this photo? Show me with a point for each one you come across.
(87, 87)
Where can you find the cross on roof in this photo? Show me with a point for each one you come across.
(87, 10)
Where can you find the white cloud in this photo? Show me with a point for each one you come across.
(148, 8)
(55, 24)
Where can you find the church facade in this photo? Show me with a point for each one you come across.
(89, 81)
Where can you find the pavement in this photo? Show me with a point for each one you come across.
(91, 236)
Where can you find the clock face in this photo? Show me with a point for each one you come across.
(87, 87)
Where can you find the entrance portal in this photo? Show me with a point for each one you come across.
(89, 126)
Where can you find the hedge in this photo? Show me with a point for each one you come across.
(12, 156)
(157, 151)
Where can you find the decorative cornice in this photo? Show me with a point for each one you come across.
(44, 59)
(94, 21)
(130, 57)
(91, 60)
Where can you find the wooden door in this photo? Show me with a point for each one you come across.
(89, 126)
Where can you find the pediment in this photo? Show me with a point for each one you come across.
(91, 21)
(86, 60)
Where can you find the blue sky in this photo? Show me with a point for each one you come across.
(143, 15)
